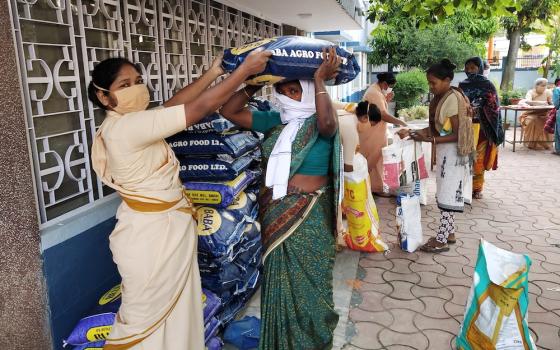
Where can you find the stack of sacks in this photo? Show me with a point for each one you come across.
(91, 331)
(219, 168)
(215, 160)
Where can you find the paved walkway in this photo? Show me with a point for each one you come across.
(417, 301)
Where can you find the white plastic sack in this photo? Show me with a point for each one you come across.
(392, 168)
(403, 164)
(498, 303)
(409, 222)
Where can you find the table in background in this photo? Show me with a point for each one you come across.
(516, 110)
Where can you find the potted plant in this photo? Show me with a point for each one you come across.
(512, 97)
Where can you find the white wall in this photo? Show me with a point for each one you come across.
(524, 79)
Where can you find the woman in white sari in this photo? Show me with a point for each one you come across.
(154, 242)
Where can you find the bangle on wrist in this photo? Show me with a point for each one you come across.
(321, 92)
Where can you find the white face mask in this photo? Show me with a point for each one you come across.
(486, 73)
(387, 91)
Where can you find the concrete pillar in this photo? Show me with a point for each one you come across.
(23, 319)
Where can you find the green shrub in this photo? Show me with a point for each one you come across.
(410, 88)
(507, 96)
(414, 113)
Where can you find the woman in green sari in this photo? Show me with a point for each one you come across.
(298, 202)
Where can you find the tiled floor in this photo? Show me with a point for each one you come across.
(417, 301)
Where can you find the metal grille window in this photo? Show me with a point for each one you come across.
(60, 41)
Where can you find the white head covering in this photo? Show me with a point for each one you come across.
(293, 114)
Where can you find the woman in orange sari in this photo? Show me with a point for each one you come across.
(373, 136)
(483, 98)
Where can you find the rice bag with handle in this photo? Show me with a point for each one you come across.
(97, 326)
(293, 57)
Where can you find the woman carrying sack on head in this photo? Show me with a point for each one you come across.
(154, 241)
(373, 137)
(451, 134)
(301, 153)
(486, 107)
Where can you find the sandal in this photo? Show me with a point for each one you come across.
(433, 246)
(477, 195)
(451, 239)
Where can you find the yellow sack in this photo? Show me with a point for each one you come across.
(360, 210)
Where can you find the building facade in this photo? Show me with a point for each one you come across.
(56, 214)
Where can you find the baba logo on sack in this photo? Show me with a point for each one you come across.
(209, 221)
(240, 202)
(112, 295)
(251, 46)
(98, 333)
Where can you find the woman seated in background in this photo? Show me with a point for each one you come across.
(533, 122)
(301, 153)
(373, 136)
(483, 97)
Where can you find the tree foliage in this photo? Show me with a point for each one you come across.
(520, 20)
(552, 61)
(517, 17)
(429, 12)
(399, 40)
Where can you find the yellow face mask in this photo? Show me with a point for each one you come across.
(135, 98)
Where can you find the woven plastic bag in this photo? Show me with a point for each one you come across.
(498, 303)
(409, 224)
(293, 58)
(360, 209)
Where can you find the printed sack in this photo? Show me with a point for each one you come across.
(360, 209)
(498, 303)
(293, 58)
(409, 223)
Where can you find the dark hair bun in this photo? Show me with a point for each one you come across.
(447, 64)
(387, 77)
